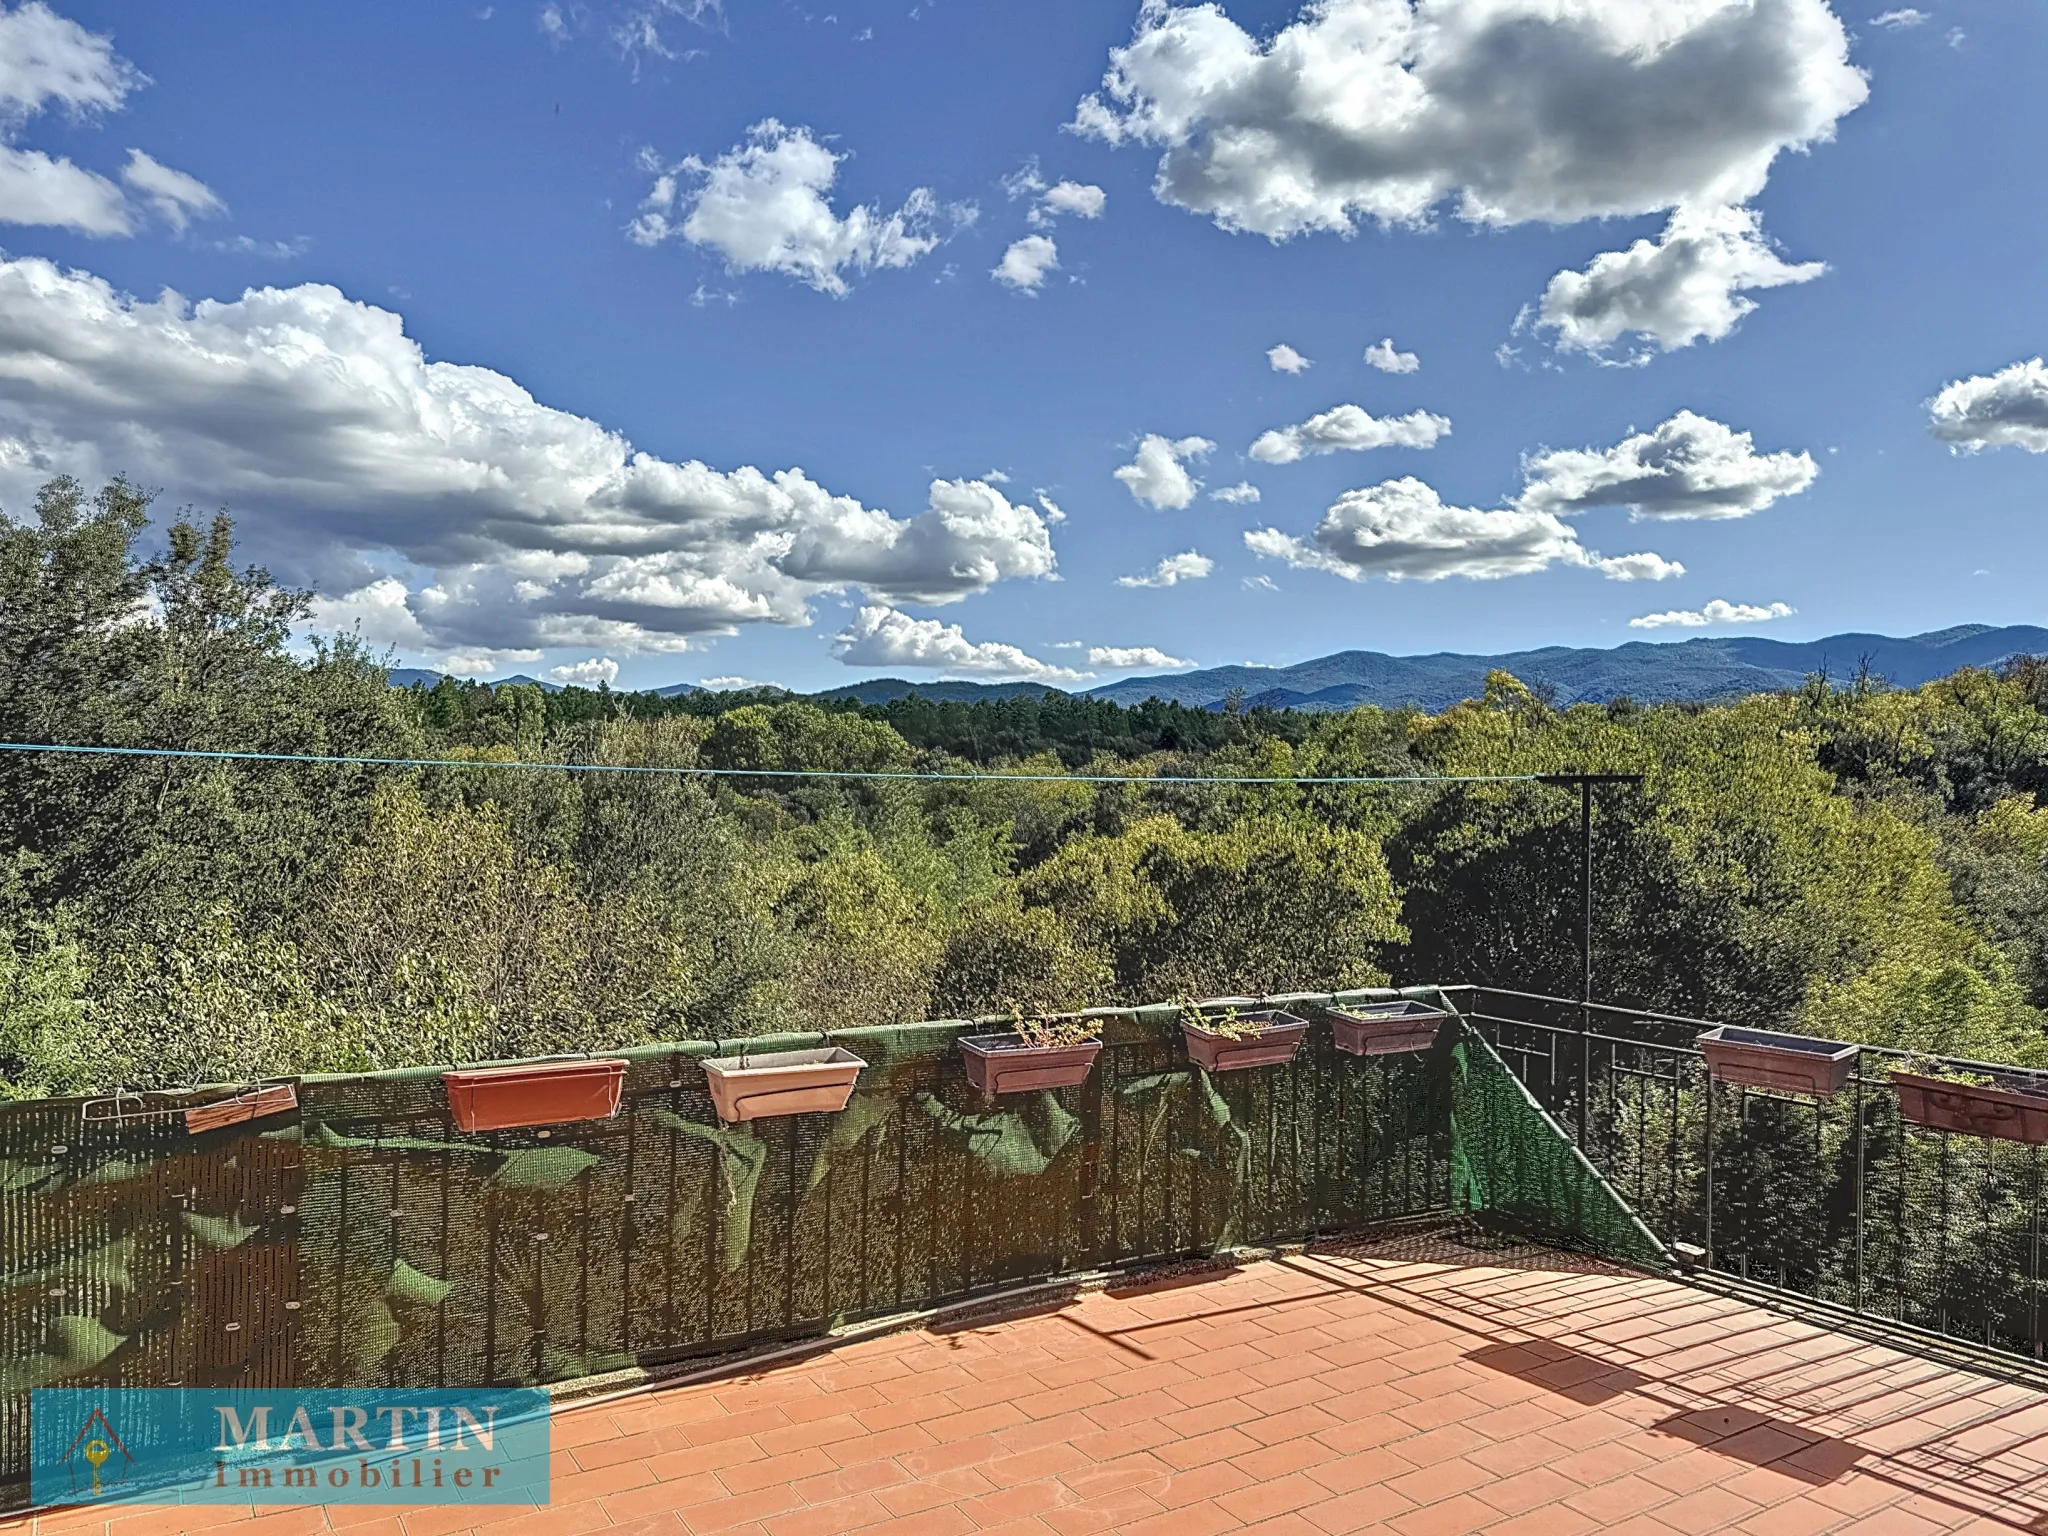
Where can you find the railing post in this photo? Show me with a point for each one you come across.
(1585, 962)
(1858, 1069)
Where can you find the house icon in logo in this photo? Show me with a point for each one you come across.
(92, 1448)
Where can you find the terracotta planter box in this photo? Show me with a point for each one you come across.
(253, 1105)
(537, 1093)
(1386, 1029)
(1273, 1046)
(782, 1083)
(999, 1064)
(1998, 1114)
(1758, 1058)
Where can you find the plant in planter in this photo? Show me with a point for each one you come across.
(1386, 1029)
(1034, 1056)
(760, 1087)
(1996, 1106)
(1762, 1058)
(1231, 1039)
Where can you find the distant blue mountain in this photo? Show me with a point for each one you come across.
(405, 677)
(886, 690)
(1697, 669)
(1649, 672)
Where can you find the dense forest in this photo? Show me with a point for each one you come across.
(1856, 861)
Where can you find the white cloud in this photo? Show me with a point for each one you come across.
(1284, 359)
(1077, 198)
(725, 683)
(176, 197)
(2007, 409)
(482, 662)
(377, 611)
(1690, 467)
(1402, 528)
(1173, 570)
(1643, 567)
(1381, 355)
(1515, 111)
(47, 60)
(1901, 20)
(885, 637)
(1026, 262)
(587, 674)
(350, 460)
(761, 205)
(1348, 427)
(1686, 286)
(1121, 658)
(1237, 495)
(1157, 476)
(1719, 611)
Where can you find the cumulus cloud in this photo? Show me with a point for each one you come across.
(1684, 287)
(1077, 199)
(1348, 428)
(1511, 110)
(725, 683)
(1719, 611)
(1382, 355)
(1284, 359)
(1402, 528)
(1901, 20)
(880, 636)
(1158, 475)
(587, 674)
(1237, 495)
(1121, 658)
(762, 206)
(1026, 262)
(2007, 409)
(1690, 467)
(48, 60)
(1173, 570)
(1643, 567)
(497, 521)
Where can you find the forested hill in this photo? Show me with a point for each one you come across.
(1691, 670)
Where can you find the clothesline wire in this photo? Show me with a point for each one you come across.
(331, 760)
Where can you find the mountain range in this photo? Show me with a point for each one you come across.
(1647, 671)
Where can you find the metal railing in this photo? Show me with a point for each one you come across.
(1839, 1200)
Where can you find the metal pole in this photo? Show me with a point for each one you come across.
(1585, 958)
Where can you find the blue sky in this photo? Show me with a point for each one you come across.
(562, 201)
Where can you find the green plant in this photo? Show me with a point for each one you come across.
(1048, 1033)
(1228, 1023)
(1941, 1072)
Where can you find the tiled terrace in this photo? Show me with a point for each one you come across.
(1355, 1391)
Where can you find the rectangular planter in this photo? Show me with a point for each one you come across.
(253, 1105)
(1386, 1029)
(782, 1083)
(1997, 1114)
(998, 1064)
(534, 1093)
(1760, 1058)
(1273, 1046)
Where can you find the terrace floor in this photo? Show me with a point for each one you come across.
(1417, 1389)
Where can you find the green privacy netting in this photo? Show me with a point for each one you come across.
(363, 1239)
(1511, 1161)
